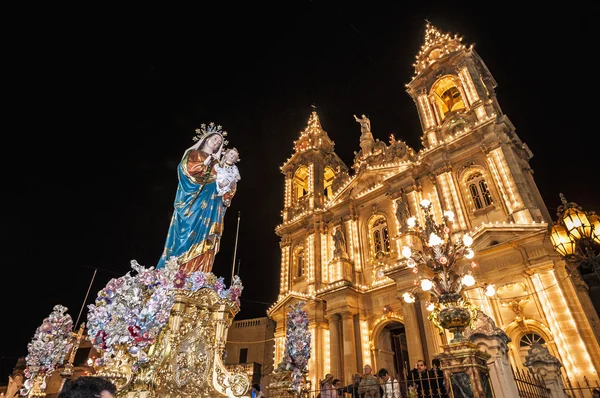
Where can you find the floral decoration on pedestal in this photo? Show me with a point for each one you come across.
(297, 348)
(47, 349)
(130, 311)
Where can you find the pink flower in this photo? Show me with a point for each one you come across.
(179, 281)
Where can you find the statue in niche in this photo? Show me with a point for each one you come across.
(339, 243)
(402, 213)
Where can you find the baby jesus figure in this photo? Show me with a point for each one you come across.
(228, 175)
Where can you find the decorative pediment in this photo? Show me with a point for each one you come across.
(488, 235)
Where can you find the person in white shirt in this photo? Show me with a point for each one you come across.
(391, 386)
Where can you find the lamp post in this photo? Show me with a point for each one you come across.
(575, 236)
(439, 255)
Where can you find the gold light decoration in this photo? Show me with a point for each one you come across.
(575, 235)
(561, 240)
(595, 223)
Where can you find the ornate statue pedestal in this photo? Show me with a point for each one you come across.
(343, 269)
(185, 361)
(281, 385)
(465, 370)
(39, 387)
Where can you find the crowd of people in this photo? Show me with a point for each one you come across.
(420, 382)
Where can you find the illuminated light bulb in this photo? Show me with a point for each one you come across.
(406, 252)
(469, 254)
(408, 297)
(411, 222)
(425, 203)
(426, 284)
(468, 280)
(467, 240)
(415, 270)
(430, 306)
(490, 290)
(434, 240)
(473, 264)
(449, 215)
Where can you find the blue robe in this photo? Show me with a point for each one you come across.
(197, 222)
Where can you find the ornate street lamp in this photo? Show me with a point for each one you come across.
(575, 236)
(439, 254)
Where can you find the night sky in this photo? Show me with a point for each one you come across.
(106, 101)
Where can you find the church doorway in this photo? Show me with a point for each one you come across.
(391, 349)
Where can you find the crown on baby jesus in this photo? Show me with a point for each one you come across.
(204, 131)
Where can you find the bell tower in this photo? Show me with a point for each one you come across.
(309, 177)
(454, 93)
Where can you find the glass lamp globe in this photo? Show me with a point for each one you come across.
(468, 280)
(426, 284)
(467, 240)
(408, 297)
(490, 290)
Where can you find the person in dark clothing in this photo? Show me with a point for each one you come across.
(337, 384)
(88, 386)
(353, 388)
(436, 380)
(418, 379)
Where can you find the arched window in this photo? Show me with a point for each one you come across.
(447, 96)
(379, 236)
(479, 191)
(299, 262)
(529, 338)
(300, 183)
(328, 177)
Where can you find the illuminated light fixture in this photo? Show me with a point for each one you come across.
(468, 280)
(408, 297)
(467, 240)
(595, 222)
(469, 253)
(445, 260)
(561, 240)
(490, 290)
(449, 215)
(575, 235)
(426, 285)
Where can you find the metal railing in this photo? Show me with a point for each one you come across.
(426, 387)
(530, 385)
(578, 390)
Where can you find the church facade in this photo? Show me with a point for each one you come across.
(343, 230)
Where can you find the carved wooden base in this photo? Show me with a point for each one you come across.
(186, 359)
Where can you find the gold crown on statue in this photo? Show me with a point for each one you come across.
(204, 131)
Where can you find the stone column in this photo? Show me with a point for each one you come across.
(494, 341)
(334, 345)
(541, 363)
(413, 339)
(349, 348)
